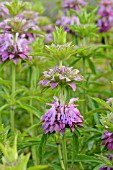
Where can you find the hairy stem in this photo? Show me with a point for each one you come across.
(84, 74)
(33, 148)
(60, 155)
(64, 151)
(13, 96)
(62, 102)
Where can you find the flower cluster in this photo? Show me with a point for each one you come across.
(105, 22)
(70, 20)
(61, 76)
(16, 24)
(9, 49)
(108, 140)
(59, 117)
(29, 15)
(65, 20)
(110, 157)
(73, 4)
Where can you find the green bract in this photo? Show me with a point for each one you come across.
(61, 51)
(59, 36)
(86, 26)
(15, 7)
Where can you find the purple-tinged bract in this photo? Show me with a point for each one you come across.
(108, 140)
(105, 22)
(10, 50)
(73, 4)
(59, 117)
(17, 25)
(65, 20)
(64, 76)
(4, 13)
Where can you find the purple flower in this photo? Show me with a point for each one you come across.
(59, 117)
(17, 24)
(108, 140)
(66, 76)
(10, 50)
(110, 157)
(49, 30)
(73, 4)
(105, 22)
(3, 10)
(65, 20)
(29, 15)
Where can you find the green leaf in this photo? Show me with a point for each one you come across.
(59, 35)
(55, 167)
(75, 147)
(30, 109)
(87, 158)
(5, 82)
(40, 54)
(31, 127)
(96, 111)
(2, 65)
(36, 32)
(102, 102)
(99, 166)
(3, 107)
(39, 167)
(91, 65)
(40, 99)
(42, 146)
(18, 91)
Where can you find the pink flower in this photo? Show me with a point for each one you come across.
(73, 4)
(108, 140)
(59, 117)
(10, 50)
(66, 76)
(105, 22)
(65, 20)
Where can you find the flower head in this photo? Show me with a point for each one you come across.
(29, 15)
(73, 4)
(65, 20)
(16, 24)
(108, 140)
(10, 50)
(59, 117)
(106, 15)
(66, 76)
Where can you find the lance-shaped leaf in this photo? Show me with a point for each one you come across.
(102, 102)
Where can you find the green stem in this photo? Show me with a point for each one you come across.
(0, 118)
(60, 155)
(31, 93)
(13, 96)
(33, 148)
(60, 63)
(84, 74)
(62, 101)
(81, 166)
(64, 151)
